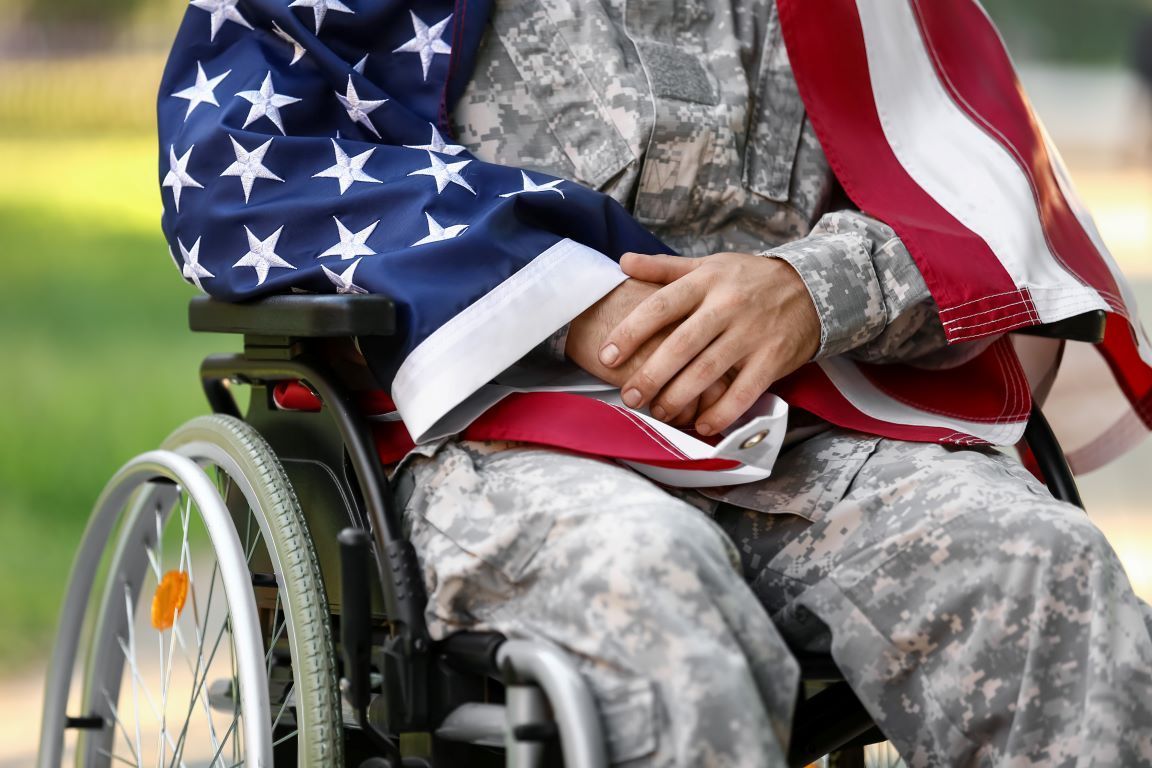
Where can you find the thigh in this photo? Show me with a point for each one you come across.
(952, 589)
(899, 501)
(640, 587)
(501, 520)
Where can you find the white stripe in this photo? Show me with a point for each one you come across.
(870, 401)
(766, 421)
(959, 165)
(498, 329)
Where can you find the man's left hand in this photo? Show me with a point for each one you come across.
(730, 312)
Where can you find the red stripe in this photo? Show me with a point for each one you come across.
(556, 419)
(826, 46)
(584, 425)
(1121, 352)
(811, 389)
(991, 388)
(974, 67)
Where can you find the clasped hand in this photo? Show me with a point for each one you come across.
(698, 340)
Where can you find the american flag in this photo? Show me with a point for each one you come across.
(305, 146)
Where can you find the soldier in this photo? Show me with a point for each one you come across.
(980, 621)
(963, 604)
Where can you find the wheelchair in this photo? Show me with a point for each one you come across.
(219, 574)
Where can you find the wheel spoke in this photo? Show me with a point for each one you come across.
(278, 629)
(166, 671)
(111, 756)
(138, 679)
(206, 666)
(120, 724)
(280, 712)
(197, 688)
(220, 748)
(131, 659)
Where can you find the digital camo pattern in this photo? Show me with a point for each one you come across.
(872, 301)
(981, 621)
(837, 271)
(808, 479)
(705, 141)
(640, 588)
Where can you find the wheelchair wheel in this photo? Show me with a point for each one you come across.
(209, 643)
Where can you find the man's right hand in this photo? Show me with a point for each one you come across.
(588, 332)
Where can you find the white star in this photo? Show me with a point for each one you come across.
(262, 255)
(347, 170)
(359, 66)
(530, 186)
(249, 166)
(178, 177)
(436, 233)
(222, 11)
(321, 7)
(202, 91)
(266, 103)
(343, 281)
(358, 108)
(352, 244)
(427, 41)
(437, 144)
(297, 49)
(444, 173)
(192, 270)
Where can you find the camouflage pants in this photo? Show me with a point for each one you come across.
(980, 621)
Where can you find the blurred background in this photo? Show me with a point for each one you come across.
(95, 360)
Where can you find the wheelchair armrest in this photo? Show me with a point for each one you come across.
(324, 316)
(1088, 327)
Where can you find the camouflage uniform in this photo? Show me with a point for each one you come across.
(979, 620)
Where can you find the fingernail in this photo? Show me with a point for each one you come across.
(609, 354)
(704, 429)
(631, 398)
(658, 412)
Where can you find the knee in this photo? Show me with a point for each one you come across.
(1046, 554)
(1026, 523)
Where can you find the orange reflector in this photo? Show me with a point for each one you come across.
(169, 599)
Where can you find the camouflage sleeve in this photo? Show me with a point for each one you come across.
(836, 267)
(872, 301)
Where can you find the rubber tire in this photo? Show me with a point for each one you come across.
(318, 704)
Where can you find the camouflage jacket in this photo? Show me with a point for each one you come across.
(705, 141)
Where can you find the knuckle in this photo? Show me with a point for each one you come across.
(657, 305)
(645, 381)
(708, 367)
(742, 395)
(679, 344)
(731, 300)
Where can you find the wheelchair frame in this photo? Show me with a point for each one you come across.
(353, 519)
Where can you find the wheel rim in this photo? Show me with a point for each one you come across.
(195, 692)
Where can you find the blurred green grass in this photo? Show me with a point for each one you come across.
(97, 362)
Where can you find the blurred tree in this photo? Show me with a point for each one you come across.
(70, 12)
(1072, 31)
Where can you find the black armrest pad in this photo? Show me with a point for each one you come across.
(1088, 327)
(304, 316)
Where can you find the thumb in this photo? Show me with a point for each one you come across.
(660, 269)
